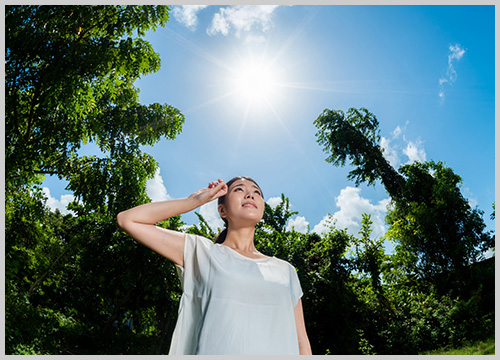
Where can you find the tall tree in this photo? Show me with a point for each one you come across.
(355, 136)
(436, 224)
(431, 220)
(70, 73)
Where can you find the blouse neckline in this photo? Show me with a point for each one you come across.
(243, 256)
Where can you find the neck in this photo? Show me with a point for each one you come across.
(240, 238)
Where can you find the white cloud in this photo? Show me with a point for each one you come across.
(187, 14)
(299, 224)
(324, 225)
(274, 201)
(415, 152)
(61, 204)
(398, 145)
(219, 25)
(243, 19)
(467, 193)
(397, 131)
(352, 206)
(390, 152)
(455, 54)
(211, 215)
(155, 188)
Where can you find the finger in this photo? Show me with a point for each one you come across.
(219, 185)
(220, 189)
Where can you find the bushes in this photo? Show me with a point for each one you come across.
(346, 311)
(418, 320)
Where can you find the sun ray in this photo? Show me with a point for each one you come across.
(295, 34)
(209, 102)
(301, 150)
(239, 134)
(253, 78)
(181, 40)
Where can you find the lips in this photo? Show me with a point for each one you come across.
(249, 204)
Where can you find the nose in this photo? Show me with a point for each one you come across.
(249, 195)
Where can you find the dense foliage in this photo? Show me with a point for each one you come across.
(76, 284)
(430, 291)
(431, 222)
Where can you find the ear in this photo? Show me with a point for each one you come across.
(221, 210)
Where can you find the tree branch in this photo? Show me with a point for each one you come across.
(35, 285)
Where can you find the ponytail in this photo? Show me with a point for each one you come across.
(221, 237)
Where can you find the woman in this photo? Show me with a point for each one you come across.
(235, 299)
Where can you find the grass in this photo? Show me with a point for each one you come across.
(483, 347)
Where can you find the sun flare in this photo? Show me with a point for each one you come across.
(255, 81)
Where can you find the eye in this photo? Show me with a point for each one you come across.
(236, 189)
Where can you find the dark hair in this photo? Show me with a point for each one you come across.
(222, 236)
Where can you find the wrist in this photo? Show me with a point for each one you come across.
(195, 202)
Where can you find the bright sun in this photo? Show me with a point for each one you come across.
(255, 81)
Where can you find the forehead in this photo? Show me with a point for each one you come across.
(244, 182)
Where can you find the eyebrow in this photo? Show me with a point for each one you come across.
(241, 184)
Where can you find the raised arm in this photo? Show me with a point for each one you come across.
(139, 222)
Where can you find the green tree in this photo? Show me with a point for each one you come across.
(83, 285)
(70, 73)
(278, 217)
(355, 136)
(432, 295)
(438, 226)
(370, 255)
(434, 225)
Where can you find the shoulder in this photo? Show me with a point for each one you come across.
(199, 240)
(284, 264)
(197, 252)
(196, 244)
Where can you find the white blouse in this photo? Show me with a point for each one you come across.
(232, 304)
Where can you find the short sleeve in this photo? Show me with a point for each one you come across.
(295, 288)
(196, 261)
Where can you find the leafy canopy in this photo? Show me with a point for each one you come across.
(355, 136)
(76, 283)
(433, 224)
(70, 73)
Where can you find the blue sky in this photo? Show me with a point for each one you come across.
(251, 80)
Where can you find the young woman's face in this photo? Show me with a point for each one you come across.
(243, 204)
